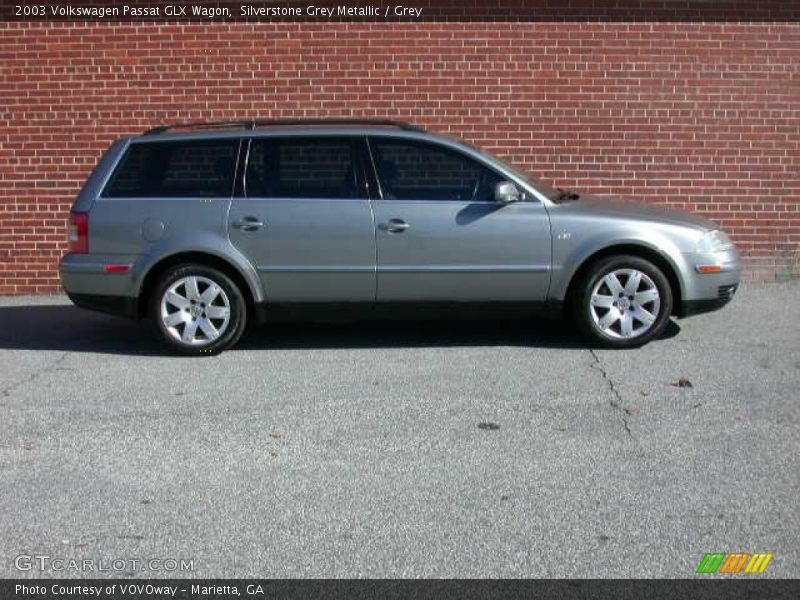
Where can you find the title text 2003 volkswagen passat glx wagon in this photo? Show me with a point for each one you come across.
(203, 228)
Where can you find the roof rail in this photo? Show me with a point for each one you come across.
(253, 123)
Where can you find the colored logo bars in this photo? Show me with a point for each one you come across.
(734, 563)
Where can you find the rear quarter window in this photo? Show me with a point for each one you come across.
(176, 170)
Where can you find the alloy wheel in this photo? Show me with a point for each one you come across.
(625, 303)
(195, 310)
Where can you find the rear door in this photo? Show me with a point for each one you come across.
(304, 220)
(442, 237)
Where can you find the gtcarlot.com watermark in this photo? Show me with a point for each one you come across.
(58, 564)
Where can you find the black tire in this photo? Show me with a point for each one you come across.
(590, 316)
(201, 345)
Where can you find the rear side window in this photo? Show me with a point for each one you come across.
(175, 169)
(410, 170)
(301, 168)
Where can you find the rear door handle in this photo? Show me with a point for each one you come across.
(395, 226)
(248, 224)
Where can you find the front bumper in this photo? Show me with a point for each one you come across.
(706, 290)
(695, 307)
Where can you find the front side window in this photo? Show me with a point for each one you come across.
(176, 169)
(411, 170)
(301, 168)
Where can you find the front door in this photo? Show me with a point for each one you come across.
(442, 237)
(304, 221)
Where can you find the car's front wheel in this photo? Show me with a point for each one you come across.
(623, 301)
(198, 309)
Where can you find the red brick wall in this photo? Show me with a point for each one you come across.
(701, 116)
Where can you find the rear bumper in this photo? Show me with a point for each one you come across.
(120, 306)
(90, 286)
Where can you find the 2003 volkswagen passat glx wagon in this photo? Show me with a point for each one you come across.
(204, 228)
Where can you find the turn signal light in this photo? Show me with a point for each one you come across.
(709, 269)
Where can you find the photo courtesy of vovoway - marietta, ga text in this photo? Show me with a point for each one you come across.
(138, 589)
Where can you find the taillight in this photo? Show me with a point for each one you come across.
(79, 232)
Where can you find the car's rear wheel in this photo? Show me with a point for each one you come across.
(198, 310)
(623, 301)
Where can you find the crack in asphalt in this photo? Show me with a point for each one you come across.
(617, 401)
(9, 389)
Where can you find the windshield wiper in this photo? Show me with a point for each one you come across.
(566, 195)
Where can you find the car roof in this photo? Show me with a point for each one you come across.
(253, 125)
(283, 127)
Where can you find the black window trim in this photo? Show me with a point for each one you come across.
(240, 185)
(357, 145)
(113, 172)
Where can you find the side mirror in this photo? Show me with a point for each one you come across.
(506, 192)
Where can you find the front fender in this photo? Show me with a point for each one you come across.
(569, 258)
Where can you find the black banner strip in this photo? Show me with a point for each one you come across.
(379, 11)
(731, 588)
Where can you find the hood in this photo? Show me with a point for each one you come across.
(601, 206)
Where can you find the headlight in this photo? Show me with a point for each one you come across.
(714, 241)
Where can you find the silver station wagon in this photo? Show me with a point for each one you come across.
(206, 227)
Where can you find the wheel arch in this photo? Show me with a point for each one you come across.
(158, 268)
(659, 259)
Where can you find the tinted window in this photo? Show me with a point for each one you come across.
(176, 169)
(420, 171)
(301, 168)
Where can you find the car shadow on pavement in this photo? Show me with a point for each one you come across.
(70, 329)
(67, 328)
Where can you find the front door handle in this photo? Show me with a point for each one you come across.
(395, 226)
(248, 224)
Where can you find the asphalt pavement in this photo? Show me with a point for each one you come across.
(465, 449)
